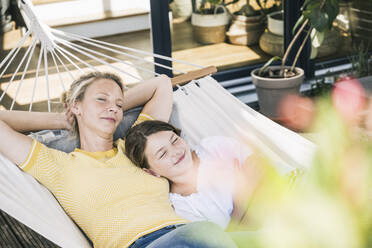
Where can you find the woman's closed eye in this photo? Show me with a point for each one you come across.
(101, 99)
(119, 106)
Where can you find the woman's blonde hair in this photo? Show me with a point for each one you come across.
(79, 86)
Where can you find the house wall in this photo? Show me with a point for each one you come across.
(95, 18)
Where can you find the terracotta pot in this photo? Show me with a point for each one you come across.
(245, 30)
(271, 91)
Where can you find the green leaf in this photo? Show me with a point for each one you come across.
(298, 23)
(306, 14)
(306, 3)
(313, 6)
(332, 12)
(267, 64)
(319, 20)
(317, 38)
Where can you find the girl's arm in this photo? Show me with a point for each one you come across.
(155, 94)
(13, 144)
(248, 176)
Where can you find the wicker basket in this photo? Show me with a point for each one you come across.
(209, 29)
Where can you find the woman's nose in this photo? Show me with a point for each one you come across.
(113, 108)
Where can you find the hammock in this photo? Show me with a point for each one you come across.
(201, 108)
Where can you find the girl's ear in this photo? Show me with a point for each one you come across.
(151, 172)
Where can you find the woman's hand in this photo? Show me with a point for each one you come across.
(68, 118)
(155, 94)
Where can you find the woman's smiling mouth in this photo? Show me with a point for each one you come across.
(109, 119)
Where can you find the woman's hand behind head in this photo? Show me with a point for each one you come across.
(68, 118)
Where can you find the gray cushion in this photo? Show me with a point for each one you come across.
(62, 140)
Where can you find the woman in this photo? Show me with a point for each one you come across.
(89, 183)
(213, 182)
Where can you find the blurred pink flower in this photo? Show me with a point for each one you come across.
(297, 112)
(348, 97)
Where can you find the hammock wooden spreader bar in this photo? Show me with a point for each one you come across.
(192, 75)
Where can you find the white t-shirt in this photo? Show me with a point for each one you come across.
(213, 200)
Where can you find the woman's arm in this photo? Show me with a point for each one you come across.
(155, 94)
(24, 121)
(13, 144)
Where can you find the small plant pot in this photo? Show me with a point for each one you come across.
(245, 30)
(272, 44)
(210, 29)
(275, 23)
(271, 91)
(181, 8)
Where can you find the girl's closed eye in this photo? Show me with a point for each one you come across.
(101, 99)
(119, 106)
(162, 155)
(175, 140)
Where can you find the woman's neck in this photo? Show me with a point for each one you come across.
(91, 142)
(187, 183)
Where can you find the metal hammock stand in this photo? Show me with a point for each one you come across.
(57, 46)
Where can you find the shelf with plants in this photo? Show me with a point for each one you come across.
(226, 46)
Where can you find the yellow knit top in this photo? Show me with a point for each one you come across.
(113, 201)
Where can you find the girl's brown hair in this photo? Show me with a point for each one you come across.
(79, 86)
(136, 140)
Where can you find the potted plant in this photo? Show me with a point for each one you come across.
(247, 25)
(209, 20)
(275, 82)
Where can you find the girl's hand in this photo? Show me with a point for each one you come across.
(247, 177)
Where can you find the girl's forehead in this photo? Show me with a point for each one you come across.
(161, 134)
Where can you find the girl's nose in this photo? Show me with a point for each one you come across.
(177, 153)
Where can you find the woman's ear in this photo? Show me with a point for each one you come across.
(75, 108)
(151, 172)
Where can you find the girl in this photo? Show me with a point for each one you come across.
(207, 183)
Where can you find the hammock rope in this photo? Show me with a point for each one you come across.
(24, 73)
(57, 44)
(84, 39)
(36, 77)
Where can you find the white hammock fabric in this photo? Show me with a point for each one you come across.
(202, 108)
(200, 111)
(207, 109)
